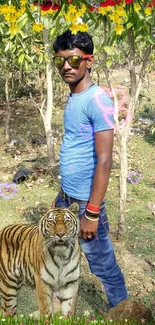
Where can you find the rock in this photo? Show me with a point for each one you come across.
(21, 175)
(130, 310)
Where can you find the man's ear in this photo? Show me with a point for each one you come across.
(74, 207)
(90, 61)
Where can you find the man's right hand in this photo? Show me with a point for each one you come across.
(53, 203)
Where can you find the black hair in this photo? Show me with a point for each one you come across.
(68, 41)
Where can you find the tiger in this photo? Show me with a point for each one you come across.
(47, 256)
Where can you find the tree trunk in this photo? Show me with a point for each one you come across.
(124, 132)
(8, 108)
(47, 113)
(122, 180)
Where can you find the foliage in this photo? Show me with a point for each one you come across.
(78, 15)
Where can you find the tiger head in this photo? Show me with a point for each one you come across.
(60, 225)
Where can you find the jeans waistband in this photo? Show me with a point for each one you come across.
(70, 199)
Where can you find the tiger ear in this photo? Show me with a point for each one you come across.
(74, 207)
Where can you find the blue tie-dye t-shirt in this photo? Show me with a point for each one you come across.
(85, 113)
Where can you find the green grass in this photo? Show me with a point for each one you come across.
(59, 319)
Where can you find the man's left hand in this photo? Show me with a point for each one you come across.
(88, 229)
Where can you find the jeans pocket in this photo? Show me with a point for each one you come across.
(103, 222)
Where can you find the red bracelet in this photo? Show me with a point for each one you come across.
(93, 208)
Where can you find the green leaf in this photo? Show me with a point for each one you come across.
(151, 39)
(28, 58)
(46, 58)
(150, 20)
(108, 50)
(26, 66)
(21, 58)
(29, 13)
(41, 57)
(7, 47)
(129, 25)
(52, 31)
(109, 62)
(22, 21)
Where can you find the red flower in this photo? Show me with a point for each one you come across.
(103, 4)
(152, 4)
(110, 3)
(91, 8)
(113, 2)
(128, 1)
(47, 6)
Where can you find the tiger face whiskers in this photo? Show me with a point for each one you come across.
(47, 255)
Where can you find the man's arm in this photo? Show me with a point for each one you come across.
(103, 147)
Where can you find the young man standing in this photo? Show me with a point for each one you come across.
(86, 158)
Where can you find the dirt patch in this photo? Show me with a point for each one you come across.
(136, 271)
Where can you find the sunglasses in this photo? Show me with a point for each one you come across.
(73, 60)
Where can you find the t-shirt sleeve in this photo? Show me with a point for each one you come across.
(101, 112)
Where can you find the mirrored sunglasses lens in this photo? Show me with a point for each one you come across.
(59, 61)
(74, 61)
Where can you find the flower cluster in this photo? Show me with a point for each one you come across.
(73, 16)
(134, 177)
(114, 10)
(11, 15)
(8, 190)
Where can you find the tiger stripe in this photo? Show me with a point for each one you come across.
(47, 256)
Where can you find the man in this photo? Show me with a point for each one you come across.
(86, 158)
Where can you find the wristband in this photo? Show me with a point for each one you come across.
(93, 208)
(91, 214)
(91, 219)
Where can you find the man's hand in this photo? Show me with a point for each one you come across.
(53, 203)
(88, 229)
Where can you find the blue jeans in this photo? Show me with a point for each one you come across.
(101, 257)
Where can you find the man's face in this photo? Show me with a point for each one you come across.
(72, 75)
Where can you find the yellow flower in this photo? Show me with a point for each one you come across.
(120, 11)
(23, 2)
(33, 8)
(44, 13)
(79, 28)
(13, 19)
(81, 10)
(104, 10)
(137, 7)
(51, 12)
(82, 27)
(3, 9)
(71, 18)
(119, 29)
(74, 29)
(72, 9)
(20, 12)
(12, 9)
(13, 29)
(38, 27)
(114, 17)
(148, 11)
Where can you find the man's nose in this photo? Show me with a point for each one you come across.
(66, 65)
